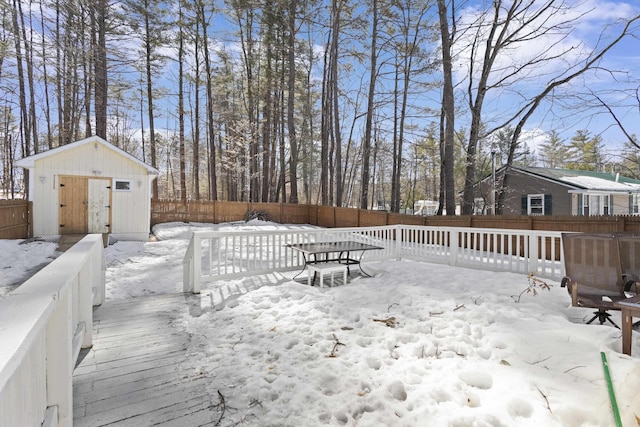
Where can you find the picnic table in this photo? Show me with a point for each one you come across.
(345, 252)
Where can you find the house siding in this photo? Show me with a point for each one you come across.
(566, 198)
(523, 185)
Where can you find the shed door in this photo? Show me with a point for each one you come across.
(73, 197)
(99, 205)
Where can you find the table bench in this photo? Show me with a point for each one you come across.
(326, 267)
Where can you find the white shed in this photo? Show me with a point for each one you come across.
(90, 186)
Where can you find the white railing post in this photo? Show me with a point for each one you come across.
(85, 304)
(59, 360)
(454, 247)
(197, 263)
(400, 234)
(98, 275)
(532, 256)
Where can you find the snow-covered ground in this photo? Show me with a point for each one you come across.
(20, 259)
(416, 345)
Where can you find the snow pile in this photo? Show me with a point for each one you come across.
(21, 259)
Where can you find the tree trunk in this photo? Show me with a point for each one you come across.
(291, 87)
(47, 106)
(24, 116)
(196, 114)
(181, 136)
(366, 143)
(213, 181)
(148, 51)
(448, 110)
(100, 76)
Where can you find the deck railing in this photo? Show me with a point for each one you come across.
(43, 325)
(213, 255)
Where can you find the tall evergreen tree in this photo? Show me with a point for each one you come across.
(587, 153)
(554, 153)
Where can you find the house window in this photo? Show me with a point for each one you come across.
(122, 185)
(585, 205)
(535, 204)
(596, 204)
(635, 204)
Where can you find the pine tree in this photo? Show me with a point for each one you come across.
(586, 152)
(554, 153)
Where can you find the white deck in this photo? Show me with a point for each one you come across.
(139, 371)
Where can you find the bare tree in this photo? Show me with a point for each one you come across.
(530, 107)
(507, 26)
(204, 22)
(410, 61)
(373, 73)
(181, 112)
(448, 108)
(24, 114)
(291, 92)
(99, 13)
(147, 21)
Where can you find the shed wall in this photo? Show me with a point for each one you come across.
(130, 210)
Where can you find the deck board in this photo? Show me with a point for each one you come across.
(138, 371)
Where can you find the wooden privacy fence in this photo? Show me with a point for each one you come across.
(335, 217)
(15, 219)
(216, 212)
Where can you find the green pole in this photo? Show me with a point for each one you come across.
(612, 394)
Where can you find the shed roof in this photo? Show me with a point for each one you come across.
(29, 162)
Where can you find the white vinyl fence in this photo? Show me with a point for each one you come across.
(43, 325)
(213, 255)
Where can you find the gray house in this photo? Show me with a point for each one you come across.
(542, 191)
